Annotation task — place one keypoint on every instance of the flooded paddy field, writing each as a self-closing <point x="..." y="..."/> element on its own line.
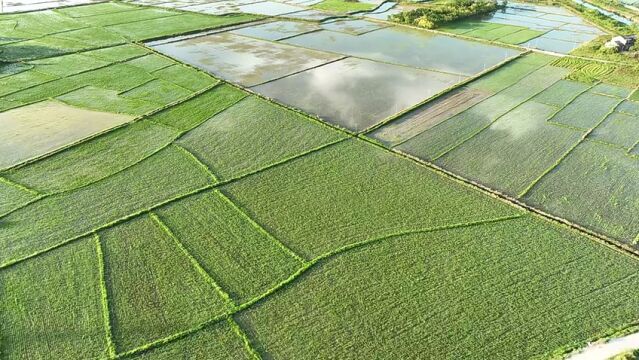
<point x="539" y="27"/>
<point x="352" y="73"/>
<point x="297" y="179"/>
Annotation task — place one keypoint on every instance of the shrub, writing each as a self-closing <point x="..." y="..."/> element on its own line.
<point x="432" y="17"/>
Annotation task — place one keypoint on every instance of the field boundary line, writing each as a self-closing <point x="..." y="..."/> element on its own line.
<point x="130" y="216"/>
<point x="462" y="142"/>
<point x="196" y="264"/>
<point x="260" y="229"/>
<point x="18" y="186"/>
<point x="533" y="70"/>
<point x="444" y="92"/>
<point x="591" y="234"/>
<point x="243" y="213"/>
<point x="107" y="131"/>
<point x="284" y="283"/>
<point x="246" y="341"/>
<point x="197" y="161"/>
<point x="179" y="134"/>
<point x="104" y="297"/>
<point x="565" y="155"/>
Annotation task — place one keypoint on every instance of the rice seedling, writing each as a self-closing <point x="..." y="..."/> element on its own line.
<point x="50" y="306"/>
<point x="604" y="198"/>
<point x="241" y="256"/>
<point x="561" y="93"/>
<point x="193" y="112"/>
<point x="217" y="341"/>
<point x="226" y="143"/>
<point x="513" y="151"/>
<point x="470" y="292"/>
<point x="56" y="219"/>
<point x="94" y="159"/>
<point x="619" y="129"/>
<point x="185" y="77"/>
<point x="337" y="197"/>
<point x="586" y="111"/>
<point x="153" y="288"/>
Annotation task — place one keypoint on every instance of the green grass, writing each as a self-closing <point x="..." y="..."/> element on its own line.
<point x="520" y="36"/>
<point x="135" y="14"/>
<point x="154" y="290"/>
<point x="611" y="90"/>
<point x="586" y="111"/>
<point x="226" y="143"/>
<point x="184" y="22"/>
<point x="447" y="135"/>
<point x="629" y="107"/>
<point x="53" y="220"/>
<point x="13" y="195"/>
<point x="218" y="341"/>
<point x="561" y="93"/>
<point x="594" y="186"/>
<point x="195" y="111"/>
<point x="515" y="289"/>
<point x="185" y="76"/>
<point x="510" y="73"/>
<point x="50" y="306"/>
<point x="158" y="91"/>
<point x="151" y="63"/>
<point x="94" y="159"/>
<point x="343" y="6"/>
<point x="108" y="101"/>
<point x="243" y="259"/>
<point x="619" y="129"/>
<point x="514" y="151"/>
<point x="351" y="192"/>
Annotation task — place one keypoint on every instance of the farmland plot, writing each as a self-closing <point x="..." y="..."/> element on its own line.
<point x="53" y="220"/>
<point x="218" y="341"/>
<point x="586" y="111"/>
<point x="226" y="143"/>
<point x="243" y="258"/>
<point x="447" y="135"/>
<point x="514" y="151"/>
<point x="50" y="307"/>
<point x="31" y="131"/>
<point x="352" y="192"/>
<point x="94" y="159"/>
<point x="605" y="198"/>
<point x="473" y="292"/>
<point x="13" y="195"/>
<point x="154" y="289"/>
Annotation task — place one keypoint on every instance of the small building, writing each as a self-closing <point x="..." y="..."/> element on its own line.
<point x="621" y="43"/>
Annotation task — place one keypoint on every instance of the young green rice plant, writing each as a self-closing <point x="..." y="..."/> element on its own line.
<point x="217" y="341"/>
<point x="514" y="151"/>
<point x="241" y="256"/>
<point x="185" y="77"/>
<point x="94" y="159"/>
<point x="195" y="111"/>
<point x="226" y="143"/>
<point x="509" y="281"/>
<point x="50" y="306"/>
<point x="54" y="220"/>
<point x="602" y="199"/>
<point x="345" y="193"/>
<point x="587" y="110"/>
<point x="619" y="129"/>
<point x="153" y="287"/>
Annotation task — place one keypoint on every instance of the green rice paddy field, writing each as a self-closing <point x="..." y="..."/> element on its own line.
<point x="202" y="220"/>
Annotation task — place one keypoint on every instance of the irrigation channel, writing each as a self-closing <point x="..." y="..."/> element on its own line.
<point x="607" y="350"/>
<point x="609" y="14"/>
